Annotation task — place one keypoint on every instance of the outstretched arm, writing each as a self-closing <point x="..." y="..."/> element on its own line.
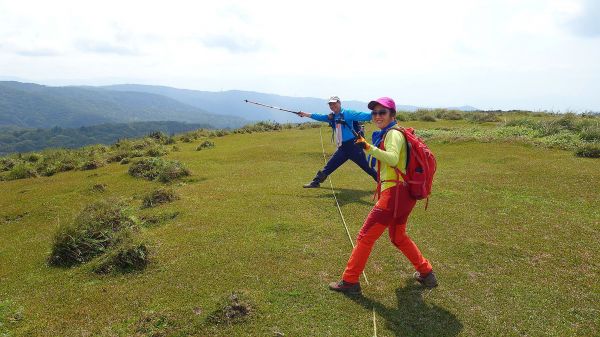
<point x="357" y="115"/>
<point x="317" y="117"/>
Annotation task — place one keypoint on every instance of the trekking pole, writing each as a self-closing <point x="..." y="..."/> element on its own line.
<point x="272" y="107"/>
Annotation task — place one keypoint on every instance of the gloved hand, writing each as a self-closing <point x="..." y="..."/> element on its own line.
<point x="362" y="142"/>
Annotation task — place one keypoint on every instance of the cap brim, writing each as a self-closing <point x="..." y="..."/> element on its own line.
<point x="332" y="101"/>
<point x="372" y="104"/>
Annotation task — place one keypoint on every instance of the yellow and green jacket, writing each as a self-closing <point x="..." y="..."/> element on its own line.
<point x="394" y="155"/>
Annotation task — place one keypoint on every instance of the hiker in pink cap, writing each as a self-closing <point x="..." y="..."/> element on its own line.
<point x="393" y="207"/>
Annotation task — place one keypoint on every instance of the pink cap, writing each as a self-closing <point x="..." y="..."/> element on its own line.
<point x="385" y="101"/>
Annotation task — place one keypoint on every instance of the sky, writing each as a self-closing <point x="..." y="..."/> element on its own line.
<point x="509" y="54"/>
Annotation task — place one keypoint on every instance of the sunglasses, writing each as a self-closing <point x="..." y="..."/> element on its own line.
<point x="381" y="112"/>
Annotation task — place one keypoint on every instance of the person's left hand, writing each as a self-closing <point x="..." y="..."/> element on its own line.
<point x="362" y="142"/>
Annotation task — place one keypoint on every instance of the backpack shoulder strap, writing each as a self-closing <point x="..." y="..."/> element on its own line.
<point x="395" y="127"/>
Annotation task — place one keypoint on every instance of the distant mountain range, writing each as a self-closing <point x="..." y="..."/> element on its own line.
<point x="232" y="102"/>
<point x="28" y="105"/>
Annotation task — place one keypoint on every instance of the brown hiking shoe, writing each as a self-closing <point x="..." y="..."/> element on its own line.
<point x="429" y="280"/>
<point x="345" y="287"/>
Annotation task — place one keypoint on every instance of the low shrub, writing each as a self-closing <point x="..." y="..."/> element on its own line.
<point x="207" y="144"/>
<point x="159" y="137"/>
<point x="449" y="114"/>
<point x="22" y="170"/>
<point x="117" y="156"/>
<point x="32" y="157"/>
<point x="92" y="164"/>
<point x="6" y="164"/>
<point x="402" y="116"/>
<point x="424" y="115"/>
<point x="156" y="151"/>
<point x="158" y="169"/>
<point x="588" y="151"/>
<point x="99" y="226"/>
<point x="172" y="170"/>
<point x="591" y="133"/>
<point x="159" y="196"/>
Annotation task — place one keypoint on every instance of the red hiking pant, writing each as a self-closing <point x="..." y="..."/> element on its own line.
<point x="380" y="218"/>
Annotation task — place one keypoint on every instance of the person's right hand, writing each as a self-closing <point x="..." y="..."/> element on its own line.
<point x="304" y="114"/>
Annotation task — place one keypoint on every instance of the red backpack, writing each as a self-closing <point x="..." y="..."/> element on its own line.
<point x="420" y="167"/>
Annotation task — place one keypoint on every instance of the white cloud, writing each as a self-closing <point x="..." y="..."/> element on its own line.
<point x="496" y="54"/>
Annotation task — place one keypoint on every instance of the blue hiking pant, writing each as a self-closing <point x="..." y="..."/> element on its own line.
<point x="348" y="150"/>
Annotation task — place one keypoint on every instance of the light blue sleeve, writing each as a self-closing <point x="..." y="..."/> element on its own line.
<point x="319" y="117"/>
<point x="351" y="115"/>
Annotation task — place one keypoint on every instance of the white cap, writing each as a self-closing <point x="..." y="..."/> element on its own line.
<point x="333" y="99"/>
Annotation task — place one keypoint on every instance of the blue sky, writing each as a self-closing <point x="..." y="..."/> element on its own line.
<point x="530" y="54"/>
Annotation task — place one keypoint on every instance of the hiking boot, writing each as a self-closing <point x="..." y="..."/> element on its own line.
<point x="345" y="287"/>
<point x="317" y="180"/>
<point x="312" y="184"/>
<point x="428" y="280"/>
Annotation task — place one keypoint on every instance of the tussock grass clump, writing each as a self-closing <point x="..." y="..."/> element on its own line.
<point x="98" y="227"/>
<point x="21" y="171"/>
<point x="158" y="169"/>
<point x="92" y="164"/>
<point x="162" y="195"/>
<point x="6" y="164"/>
<point x="99" y="188"/>
<point x="234" y="309"/>
<point x="207" y="144"/>
<point x="127" y="256"/>
<point x="588" y="151"/>
<point x="156" y="151"/>
<point x="158" y="136"/>
<point x="157" y="219"/>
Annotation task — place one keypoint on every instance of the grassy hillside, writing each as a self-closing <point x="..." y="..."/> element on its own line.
<point x="512" y="229"/>
<point x="28" y="105"/>
<point x="25" y="140"/>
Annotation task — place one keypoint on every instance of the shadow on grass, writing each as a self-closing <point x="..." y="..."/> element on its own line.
<point x="344" y="195"/>
<point x="412" y="316"/>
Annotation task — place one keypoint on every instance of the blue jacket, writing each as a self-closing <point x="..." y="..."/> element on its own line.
<point x="349" y="116"/>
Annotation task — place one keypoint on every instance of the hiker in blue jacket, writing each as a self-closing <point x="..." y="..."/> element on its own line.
<point x="341" y="120"/>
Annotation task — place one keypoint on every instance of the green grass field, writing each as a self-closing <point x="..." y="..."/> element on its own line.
<point x="513" y="232"/>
